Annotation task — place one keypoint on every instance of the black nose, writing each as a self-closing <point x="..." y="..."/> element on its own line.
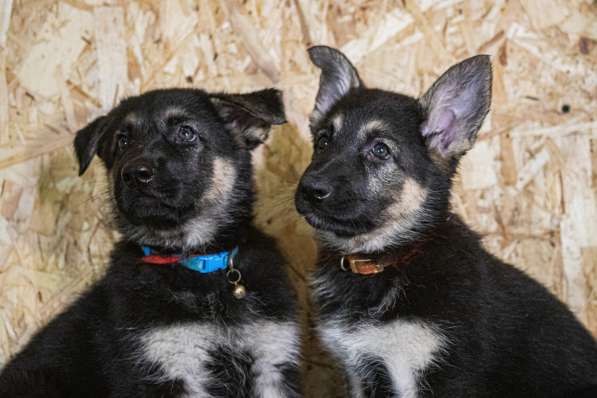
<point x="315" y="189"/>
<point x="137" y="174"/>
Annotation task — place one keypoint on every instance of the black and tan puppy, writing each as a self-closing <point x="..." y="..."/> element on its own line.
<point x="196" y="301"/>
<point x="409" y="301"/>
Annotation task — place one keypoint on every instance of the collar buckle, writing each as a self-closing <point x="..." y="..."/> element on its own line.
<point x="360" y="265"/>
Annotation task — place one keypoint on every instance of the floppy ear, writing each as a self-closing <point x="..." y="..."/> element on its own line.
<point x="250" y="116"/>
<point x="338" y="77"/>
<point x="456" y="105"/>
<point x="87" y="142"/>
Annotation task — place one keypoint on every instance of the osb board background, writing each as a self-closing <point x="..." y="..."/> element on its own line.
<point x="528" y="186"/>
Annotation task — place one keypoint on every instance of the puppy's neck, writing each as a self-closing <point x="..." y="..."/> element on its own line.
<point x="195" y="236"/>
<point x="383" y="242"/>
<point x="219" y="244"/>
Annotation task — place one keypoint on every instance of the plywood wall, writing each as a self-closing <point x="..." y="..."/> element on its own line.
<point x="528" y="186"/>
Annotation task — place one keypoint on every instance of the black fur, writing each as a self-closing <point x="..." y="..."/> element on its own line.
<point x="231" y="372"/>
<point x="95" y="347"/>
<point x="504" y="334"/>
<point x="374" y="377"/>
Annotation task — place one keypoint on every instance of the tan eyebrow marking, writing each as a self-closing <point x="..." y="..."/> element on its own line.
<point x="337" y="122"/>
<point x="132" y="118"/>
<point x="372" y="125"/>
<point x="174" y="112"/>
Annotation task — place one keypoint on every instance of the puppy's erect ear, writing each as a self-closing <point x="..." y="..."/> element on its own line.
<point x="338" y="77"/>
<point x="87" y="142"/>
<point x="456" y="105"/>
<point x="250" y="116"/>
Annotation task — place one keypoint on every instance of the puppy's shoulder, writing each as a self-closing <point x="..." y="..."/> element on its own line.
<point x="265" y="272"/>
<point x="78" y="336"/>
<point x="261" y="252"/>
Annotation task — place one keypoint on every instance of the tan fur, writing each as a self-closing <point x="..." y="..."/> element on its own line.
<point x="411" y="198"/>
<point x="174" y="111"/>
<point x="201" y="230"/>
<point x="222" y="181"/>
<point x="132" y="118"/>
<point x="338" y="121"/>
<point x="372" y="125"/>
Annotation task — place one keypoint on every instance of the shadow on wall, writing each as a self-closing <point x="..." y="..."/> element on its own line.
<point x="277" y="172"/>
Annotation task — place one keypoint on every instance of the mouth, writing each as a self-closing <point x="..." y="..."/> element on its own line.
<point x="339" y="226"/>
<point x="151" y="210"/>
<point x="150" y="201"/>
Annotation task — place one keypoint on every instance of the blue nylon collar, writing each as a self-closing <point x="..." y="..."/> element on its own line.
<point x="201" y="263"/>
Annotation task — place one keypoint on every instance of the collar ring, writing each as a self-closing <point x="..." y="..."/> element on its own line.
<point x="233" y="275"/>
<point x="343" y="264"/>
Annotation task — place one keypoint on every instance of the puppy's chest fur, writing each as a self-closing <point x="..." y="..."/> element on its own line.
<point x="381" y="358"/>
<point x="219" y="361"/>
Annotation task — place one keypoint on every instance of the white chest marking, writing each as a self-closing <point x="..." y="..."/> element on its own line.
<point x="406" y="348"/>
<point x="182" y="352"/>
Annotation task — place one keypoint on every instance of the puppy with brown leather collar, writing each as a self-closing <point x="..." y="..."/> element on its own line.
<point x="408" y="300"/>
<point x="196" y="301"/>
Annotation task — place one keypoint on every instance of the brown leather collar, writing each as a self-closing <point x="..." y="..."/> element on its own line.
<point x="364" y="264"/>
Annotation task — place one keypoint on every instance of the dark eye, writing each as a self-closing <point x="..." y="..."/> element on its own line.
<point x="322" y="143"/>
<point x="123" y="140"/>
<point x="381" y="151"/>
<point x="187" y="134"/>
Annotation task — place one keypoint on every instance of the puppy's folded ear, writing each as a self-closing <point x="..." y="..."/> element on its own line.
<point x="87" y="142"/>
<point x="338" y="77"/>
<point x="456" y="105"/>
<point x="250" y="116"/>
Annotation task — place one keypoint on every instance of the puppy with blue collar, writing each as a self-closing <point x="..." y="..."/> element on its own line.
<point x="196" y="301"/>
